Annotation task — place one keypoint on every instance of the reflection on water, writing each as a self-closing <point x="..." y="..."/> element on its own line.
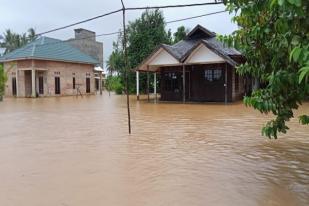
<point x="68" y="151"/>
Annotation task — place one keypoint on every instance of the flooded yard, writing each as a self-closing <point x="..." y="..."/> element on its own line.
<point x="76" y="151"/>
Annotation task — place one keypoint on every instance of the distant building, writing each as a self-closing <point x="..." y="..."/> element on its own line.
<point x="85" y="41"/>
<point x="198" y="69"/>
<point x="51" y="67"/>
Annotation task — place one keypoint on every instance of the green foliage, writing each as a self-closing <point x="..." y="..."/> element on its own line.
<point x="113" y="83"/>
<point x="3" y="79"/>
<point x="143" y="35"/>
<point x="273" y="36"/>
<point x="180" y="34"/>
<point x="14" y="41"/>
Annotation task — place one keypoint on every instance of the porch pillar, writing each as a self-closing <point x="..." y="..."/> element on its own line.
<point x="100" y="83"/>
<point x="137" y="85"/>
<point x="33" y="82"/>
<point x="155" y="85"/>
<point x="225" y="84"/>
<point x="148" y="83"/>
<point x="183" y="83"/>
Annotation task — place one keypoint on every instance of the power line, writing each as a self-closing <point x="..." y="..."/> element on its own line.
<point x="194" y="17"/>
<point x="132" y="8"/>
<point x="80" y="22"/>
<point x="121" y="31"/>
<point x="175" y="6"/>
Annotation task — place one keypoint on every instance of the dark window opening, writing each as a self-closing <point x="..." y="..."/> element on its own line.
<point x="57" y="85"/>
<point x="74" y="83"/>
<point x="14" y="87"/>
<point x="87" y="85"/>
<point x="213" y="74"/>
<point x="41" y="85"/>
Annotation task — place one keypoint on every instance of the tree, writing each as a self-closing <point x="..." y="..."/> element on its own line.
<point x="14" y="41"/>
<point x="274" y="37"/>
<point x="143" y="36"/>
<point x="3" y="79"/>
<point x="180" y="34"/>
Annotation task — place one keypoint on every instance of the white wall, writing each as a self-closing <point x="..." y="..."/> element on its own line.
<point x="203" y="55"/>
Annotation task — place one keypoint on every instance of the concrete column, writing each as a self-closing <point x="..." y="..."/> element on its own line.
<point x="155" y="85"/>
<point x="33" y="83"/>
<point x="137" y="85"/>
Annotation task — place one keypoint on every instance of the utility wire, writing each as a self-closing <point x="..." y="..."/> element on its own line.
<point x="121" y="31"/>
<point x="80" y="22"/>
<point x="175" y="6"/>
<point x="131" y="8"/>
<point x="194" y="17"/>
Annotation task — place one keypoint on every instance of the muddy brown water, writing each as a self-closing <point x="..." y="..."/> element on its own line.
<point x="76" y="152"/>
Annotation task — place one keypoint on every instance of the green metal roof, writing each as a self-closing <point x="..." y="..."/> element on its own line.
<point x="46" y="48"/>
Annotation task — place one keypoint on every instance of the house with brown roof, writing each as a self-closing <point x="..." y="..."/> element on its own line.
<point x="198" y="69"/>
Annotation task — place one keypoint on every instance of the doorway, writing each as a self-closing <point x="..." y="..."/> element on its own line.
<point x="87" y="85"/>
<point x="41" y="85"/>
<point x="57" y="85"/>
<point x="14" y="86"/>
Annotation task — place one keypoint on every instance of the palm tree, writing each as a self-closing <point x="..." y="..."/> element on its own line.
<point x="14" y="41"/>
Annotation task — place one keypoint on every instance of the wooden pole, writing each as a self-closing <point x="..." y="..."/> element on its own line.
<point x="126" y="63"/>
<point x="225" y="84"/>
<point x="155" y="85"/>
<point x="148" y="98"/>
<point x="137" y="85"/>
<point x="183" y="84"/>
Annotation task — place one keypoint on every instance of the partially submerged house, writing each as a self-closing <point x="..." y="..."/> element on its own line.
<point x="49" y="67"/>
<point x="199" y="68"/>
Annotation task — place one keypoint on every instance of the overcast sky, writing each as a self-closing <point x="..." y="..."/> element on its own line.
<point x="43" y="15"/>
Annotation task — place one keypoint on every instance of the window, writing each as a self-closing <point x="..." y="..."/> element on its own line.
<point x="73" y="82"/>
<point x="57" y="85"/>
<point x="208" y="75"/>
<point x="213" y="74"/>
<point x="87" y="85"/>
<point x="217" y="74"/>
<point x="41" y="85"/>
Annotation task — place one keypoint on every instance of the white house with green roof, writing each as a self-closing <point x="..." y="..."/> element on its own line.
<point x="48" y="67"/>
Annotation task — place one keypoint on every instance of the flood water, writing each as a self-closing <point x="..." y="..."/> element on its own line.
<point x="76" y="151"/>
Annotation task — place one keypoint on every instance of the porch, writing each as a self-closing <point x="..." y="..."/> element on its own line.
<point x="33" y="82"/>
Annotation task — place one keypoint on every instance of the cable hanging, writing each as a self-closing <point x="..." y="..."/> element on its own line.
<point x="131" y="8"/>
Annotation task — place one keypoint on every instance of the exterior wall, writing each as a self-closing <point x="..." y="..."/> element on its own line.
<point x="10" y="69"/>
<point x="49" y="70"/>
<point x="197" y="88"/>
<point x="88" y="44"/>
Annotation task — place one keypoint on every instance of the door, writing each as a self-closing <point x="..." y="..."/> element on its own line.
<point x="97" y="84"/>
<point x="57" y="85"/>
<point x="14" y="87"/>
<point x="41" y="85"/>
<point x="87" y="85"/>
